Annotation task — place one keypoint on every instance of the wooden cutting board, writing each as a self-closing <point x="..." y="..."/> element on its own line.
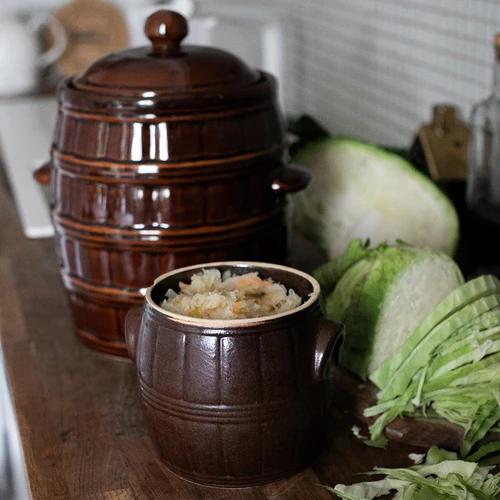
<point x="353" y="395"/>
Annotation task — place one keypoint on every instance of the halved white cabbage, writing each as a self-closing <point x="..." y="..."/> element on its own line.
<point x="383" y="297"/>
<point x="361" y="191"/>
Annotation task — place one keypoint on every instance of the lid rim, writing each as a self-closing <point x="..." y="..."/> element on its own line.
<point x="76" y="96"/>
<point x="162" y="90"/>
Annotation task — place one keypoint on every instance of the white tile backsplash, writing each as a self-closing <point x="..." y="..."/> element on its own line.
<point x="375" y="68"/>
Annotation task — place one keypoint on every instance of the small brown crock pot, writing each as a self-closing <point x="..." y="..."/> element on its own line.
<point x="163" y="156"/>
<point x="235" y="403"/>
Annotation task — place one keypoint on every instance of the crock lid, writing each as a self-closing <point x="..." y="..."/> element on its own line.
<point x="167" y="66"/>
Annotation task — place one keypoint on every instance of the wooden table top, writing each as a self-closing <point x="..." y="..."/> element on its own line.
<point x="78" y="411"/>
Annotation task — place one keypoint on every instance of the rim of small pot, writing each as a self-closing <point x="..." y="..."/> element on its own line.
<point x="232" y="323"/>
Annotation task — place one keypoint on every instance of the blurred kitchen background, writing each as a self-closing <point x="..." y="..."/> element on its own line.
<point x="364" y="68"/>
<point x="368" y="69"/>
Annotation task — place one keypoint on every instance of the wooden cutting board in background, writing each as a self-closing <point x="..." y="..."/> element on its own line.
<point x="94" y="28"/>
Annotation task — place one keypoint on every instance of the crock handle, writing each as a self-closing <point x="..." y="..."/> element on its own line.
<point x="328" y="338"/>
<point x="132" y="327"/>
<point x="291" y="179"/>
<point x="42" y="174"/>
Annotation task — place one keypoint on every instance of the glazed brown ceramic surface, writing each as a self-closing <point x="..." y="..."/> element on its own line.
<point x="163" y="156"/>
<point x="240" y="402"/>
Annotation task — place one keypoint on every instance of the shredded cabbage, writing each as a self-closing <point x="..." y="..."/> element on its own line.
<point x="443" y="476"/>
<point x="450" y="365"/>
<point x="428" y="341"/>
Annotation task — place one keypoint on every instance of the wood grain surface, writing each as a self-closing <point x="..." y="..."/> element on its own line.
<point x="78" y="411"/>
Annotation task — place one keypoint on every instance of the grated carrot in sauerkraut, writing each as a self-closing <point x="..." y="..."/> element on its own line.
<point x="213" y="295"/>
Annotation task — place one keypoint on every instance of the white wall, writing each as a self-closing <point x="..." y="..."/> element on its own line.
<point x="374" y="68"/>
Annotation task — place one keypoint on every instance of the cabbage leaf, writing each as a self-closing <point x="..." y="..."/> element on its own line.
<point x="443" y="476"/>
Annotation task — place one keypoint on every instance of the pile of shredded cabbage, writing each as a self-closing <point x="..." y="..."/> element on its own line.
<point x="450" y="366"/>
<point x="441" y="477"/>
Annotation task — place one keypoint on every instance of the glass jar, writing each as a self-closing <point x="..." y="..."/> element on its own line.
<point x="483" y="180"/>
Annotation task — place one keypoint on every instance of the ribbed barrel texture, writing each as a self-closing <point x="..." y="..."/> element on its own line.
<point x="234" y="409"/>
<point x="134" y="196"/>
<point x="170" y="138"/>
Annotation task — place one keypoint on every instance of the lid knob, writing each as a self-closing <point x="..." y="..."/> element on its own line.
<point x="166" y="29"/>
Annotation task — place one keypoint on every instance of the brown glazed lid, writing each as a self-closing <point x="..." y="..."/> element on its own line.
<point x="167" y="66"/>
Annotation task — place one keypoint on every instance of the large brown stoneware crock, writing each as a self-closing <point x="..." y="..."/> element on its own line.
<point x="235" y="403"/>
<point x="163" y="156"/>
